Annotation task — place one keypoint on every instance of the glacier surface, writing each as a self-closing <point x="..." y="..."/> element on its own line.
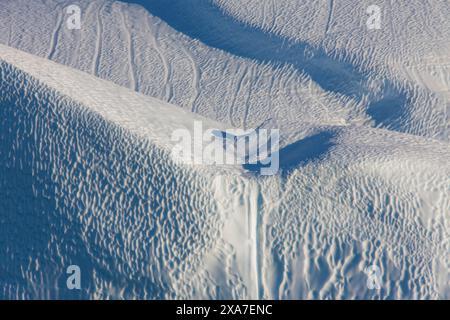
<point x="87" y="177"/>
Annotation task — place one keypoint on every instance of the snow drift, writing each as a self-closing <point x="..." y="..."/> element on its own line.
<point x="86" y="175"/>
<point x="87" y="179"/>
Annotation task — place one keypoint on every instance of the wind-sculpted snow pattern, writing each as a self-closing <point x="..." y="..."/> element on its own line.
<point x="402" y="69"/>
<point x="77" y="188"/>
<point x="360" y="205"/>
<point x="158" y="61"/>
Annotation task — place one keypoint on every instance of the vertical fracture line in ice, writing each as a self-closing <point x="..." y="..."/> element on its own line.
<point x="253" y="217"/>
<point x="98" y="44"/>
<point x="247" y="100"/>
<point x="237" y="91"/>
<point x="259" y="240"/>
<point x="54" y="37"/>
<point x="131" y="71"/>
<point x="238" y="202"/>
<point x="330" y="15"/>
<point x="195" y="78"/>
<point x="167" y="89"/>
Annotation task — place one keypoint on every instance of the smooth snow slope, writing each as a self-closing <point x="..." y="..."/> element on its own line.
<point x="86" y="182"/>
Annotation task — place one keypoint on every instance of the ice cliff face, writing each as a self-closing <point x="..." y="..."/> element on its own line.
<point x="80" y="187"/>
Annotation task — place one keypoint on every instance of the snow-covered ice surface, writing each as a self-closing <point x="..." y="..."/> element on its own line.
<point x="86" y="175"/>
